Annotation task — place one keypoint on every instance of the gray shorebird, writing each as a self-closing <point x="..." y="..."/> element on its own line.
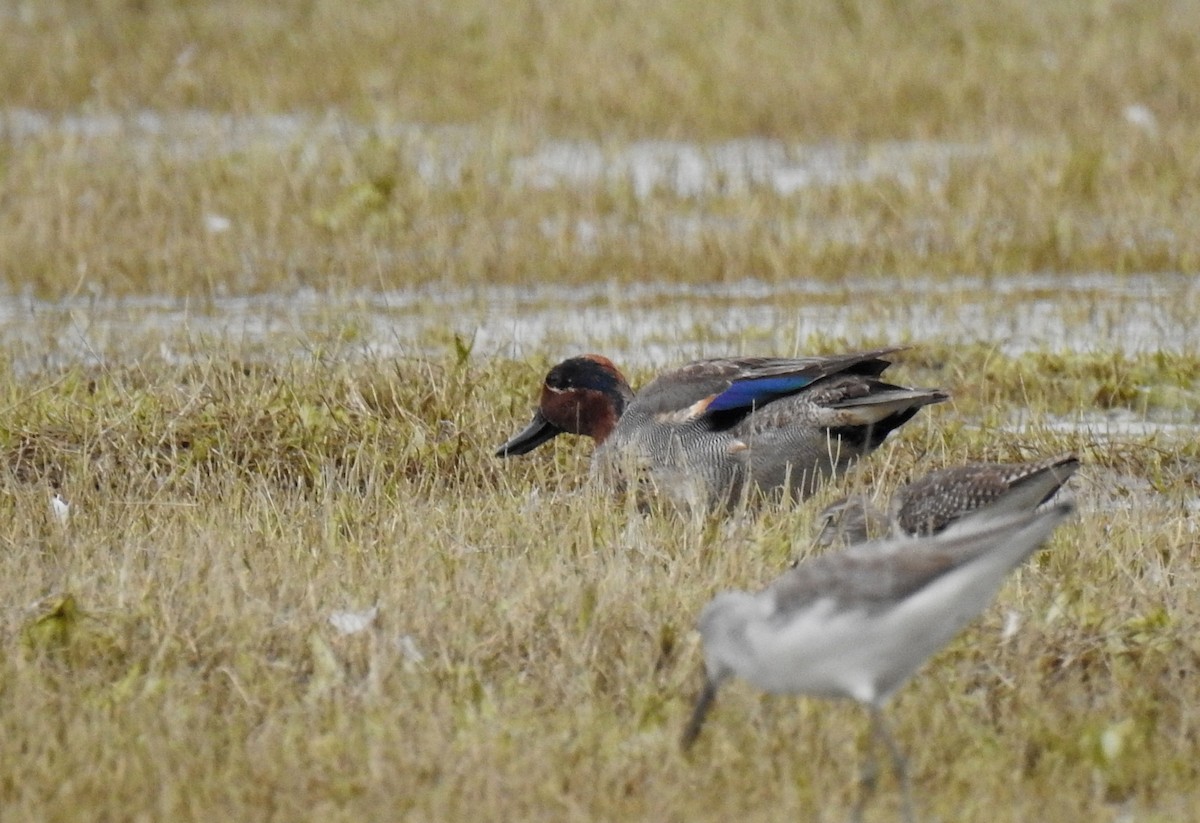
<point x="711" y="431"/>
<point x="859" y="622"/>
<point x="930" y="504"/>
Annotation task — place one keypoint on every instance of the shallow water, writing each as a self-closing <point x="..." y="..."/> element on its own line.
<point x="652" y="324"/>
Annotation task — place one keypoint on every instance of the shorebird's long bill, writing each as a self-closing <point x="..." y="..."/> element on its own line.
<point x="535" y="434"/>
<point x="703" y="702"/>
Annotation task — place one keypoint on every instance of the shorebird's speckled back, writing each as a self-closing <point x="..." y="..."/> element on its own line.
<point x="932" y="503"/>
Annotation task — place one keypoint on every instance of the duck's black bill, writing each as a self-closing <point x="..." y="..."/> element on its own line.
<point x="703" y="702"/>
<point x="534" y="435"/>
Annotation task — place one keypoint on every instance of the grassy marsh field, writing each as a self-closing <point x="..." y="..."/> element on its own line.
<point x="278" y="279"/>
<point x="532" y="653"/>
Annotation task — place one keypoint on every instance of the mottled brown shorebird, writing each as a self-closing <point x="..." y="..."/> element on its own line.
<point x="930" y="504"/>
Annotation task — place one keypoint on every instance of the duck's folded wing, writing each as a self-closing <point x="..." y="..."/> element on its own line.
<point x="739" y="385"/>
<point x="840" y="405"/>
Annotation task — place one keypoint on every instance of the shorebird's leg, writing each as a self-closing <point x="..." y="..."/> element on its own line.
<point x="868" y="778"/>
<point x="880" y="731"/>
<point x="703" y="702"/>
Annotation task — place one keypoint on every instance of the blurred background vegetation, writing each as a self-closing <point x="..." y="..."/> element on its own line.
<point x="809" y="70"/>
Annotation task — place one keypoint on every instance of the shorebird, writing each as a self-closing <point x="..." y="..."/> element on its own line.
<point x="930" y="504"/>
<point x="859" y="622"/>
<point x="710" y="431"/>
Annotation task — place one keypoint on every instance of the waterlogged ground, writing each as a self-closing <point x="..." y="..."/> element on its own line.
<point x="282" y="521"/>
<point x="653" y="323"/>
<point x="438" y="154"/>
<point x="201" y="204"/>
<point x="642" y="326"/>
